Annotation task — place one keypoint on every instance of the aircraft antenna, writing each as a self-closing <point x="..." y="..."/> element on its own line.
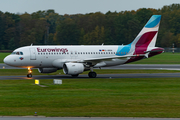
<point x="31" y="44"/>
<point x="102" y="44"/>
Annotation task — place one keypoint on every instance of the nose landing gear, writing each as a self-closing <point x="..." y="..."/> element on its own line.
<point x="29" y="75"/>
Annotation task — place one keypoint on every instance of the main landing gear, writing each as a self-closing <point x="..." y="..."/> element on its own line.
<point x="29" y="75"/>
<point x="92" y="74"/>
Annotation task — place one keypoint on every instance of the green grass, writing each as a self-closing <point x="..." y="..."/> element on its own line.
<point x="10" y="72"/>
<point x="2" y="56"/>
<point x="125" y="97"/>
<point x="164" y="58"/>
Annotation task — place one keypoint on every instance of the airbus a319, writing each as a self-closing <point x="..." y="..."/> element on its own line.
<point x="79" y="58"/>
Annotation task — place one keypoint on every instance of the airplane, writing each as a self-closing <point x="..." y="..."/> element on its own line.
<point x="76" y="59"/>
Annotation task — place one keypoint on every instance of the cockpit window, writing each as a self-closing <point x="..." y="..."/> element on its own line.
<point x="13" y="53"/>
<point x="17" y="53"/>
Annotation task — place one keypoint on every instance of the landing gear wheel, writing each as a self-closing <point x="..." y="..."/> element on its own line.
<point x="92" y="74"/>
<point x="75" y="75"/>
<point x="29" y="75"/>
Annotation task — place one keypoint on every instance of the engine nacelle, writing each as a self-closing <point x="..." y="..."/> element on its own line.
<point x="73" y="68"/>
<point x="47" y="70"/>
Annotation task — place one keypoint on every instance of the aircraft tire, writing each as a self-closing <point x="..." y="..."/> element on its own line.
<point x="92" y="74"/>
<point x="29" y="75"/>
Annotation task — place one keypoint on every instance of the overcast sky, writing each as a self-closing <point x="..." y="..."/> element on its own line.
<point x="80" y="6"/>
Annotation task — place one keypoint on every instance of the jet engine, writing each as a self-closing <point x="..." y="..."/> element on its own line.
<point x="47" y="70"/>
<point x="73" y="68"/>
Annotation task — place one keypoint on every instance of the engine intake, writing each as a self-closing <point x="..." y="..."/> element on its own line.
<point x="73" y="68"/>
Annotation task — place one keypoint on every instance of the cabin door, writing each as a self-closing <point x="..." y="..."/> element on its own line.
<point x="32" y="54"/>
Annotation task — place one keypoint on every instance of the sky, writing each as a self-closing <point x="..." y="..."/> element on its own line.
<point x="80" y="6"/>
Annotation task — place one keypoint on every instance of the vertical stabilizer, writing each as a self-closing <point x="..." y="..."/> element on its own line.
<point x="146" y="39"/>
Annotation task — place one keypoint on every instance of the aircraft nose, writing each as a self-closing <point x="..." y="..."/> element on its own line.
<point x="6" y="60"/>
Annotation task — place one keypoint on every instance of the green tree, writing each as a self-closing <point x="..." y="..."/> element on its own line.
<point x="67" y="32"/>
<point x="96" y="37"/>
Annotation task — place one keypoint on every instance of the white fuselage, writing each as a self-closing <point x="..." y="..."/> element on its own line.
<point x="56" y="56"/>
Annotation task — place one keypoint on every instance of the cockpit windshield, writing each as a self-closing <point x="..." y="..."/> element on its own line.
<point x="17" y="53"/>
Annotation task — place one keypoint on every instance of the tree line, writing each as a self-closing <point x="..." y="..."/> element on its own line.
<point x="111" y="28"/>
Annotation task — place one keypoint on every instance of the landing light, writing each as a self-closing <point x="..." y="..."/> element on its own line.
<point x="29" y="70"/>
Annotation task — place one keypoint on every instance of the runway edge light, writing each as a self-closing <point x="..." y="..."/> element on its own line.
<point x="37" y="82"/>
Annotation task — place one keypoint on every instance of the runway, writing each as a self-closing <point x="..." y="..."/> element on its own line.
<point x="146" y="66"/>
<point x="105" y="76"/>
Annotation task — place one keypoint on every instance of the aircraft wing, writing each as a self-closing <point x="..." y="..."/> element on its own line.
<point x="100" y="59"/>
<point x="109" y="58"/>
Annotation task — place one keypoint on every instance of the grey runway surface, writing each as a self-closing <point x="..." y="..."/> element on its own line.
<point x="146" y="66"/>
<point x="106" y="76"/>
<point x="125" y="66"/>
